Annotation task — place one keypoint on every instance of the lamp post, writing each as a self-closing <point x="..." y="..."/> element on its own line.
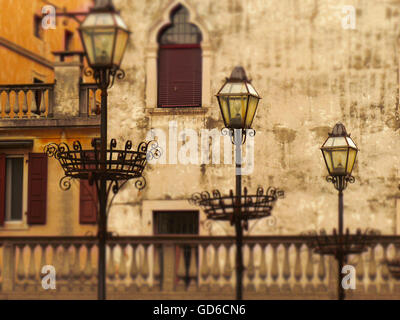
<point x="104" y="36"/>
<point x="238" y="101"/>
<point x="340" y="152"/>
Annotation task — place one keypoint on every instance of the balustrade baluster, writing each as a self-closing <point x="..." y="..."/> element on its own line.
<point x="88" y="271"/>
<point x="204" y="269"/>
<point x="33" y="107"/>
<point x="227" y="273"/>
<point x="322" y="274"/>
<point x="133" y="270"/>
<point x="286" y="268"/>
<point x="384" y="286"/>
<point x="181" y="272"/>
<point x="21" y="276"/>
<point x="156" y="269"/>
<point x="32" y="282"/>
<point x="76" y="268"/>
<point x="360" y="272"/>
<point x="65" y="273"/>
<point x="310" y="270"/>
<point x="263" y="271"/>
<point x="144" y="270"/>
<point x="193" y="269"/>
<point x="298" y="273"/>
<point x="7" y="107"/>
<point x="16" y="104"/>
<point x="274" y="269"/>
<point x="122" y="268"/>
<point x="250" y="270"/>
<point x="215" y="272"/>
<point x="25" y="111"/>
<point x="42" y="108"/>
<point x="372" y="287"/>
<point x="111" y="265"/>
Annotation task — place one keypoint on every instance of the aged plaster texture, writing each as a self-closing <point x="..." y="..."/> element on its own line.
<point x="311" y="74"/>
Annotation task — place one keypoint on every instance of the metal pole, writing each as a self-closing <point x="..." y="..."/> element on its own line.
<point x="103" y="198"/>
<point x="238" y="214"/>
<point x="341" y="294"/>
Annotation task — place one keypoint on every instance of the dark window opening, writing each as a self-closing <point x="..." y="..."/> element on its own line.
<point x="68" y="40"/>
<point x="177" y="222"/>
<point x="37" y="27"/>
<point x="14" y="189"/>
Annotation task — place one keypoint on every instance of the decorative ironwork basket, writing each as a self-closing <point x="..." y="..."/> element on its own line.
<point x="253" y="206"/>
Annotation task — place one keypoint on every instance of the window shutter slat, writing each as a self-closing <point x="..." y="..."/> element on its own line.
<point x="87" y="203"/>
<point x="2" y="188"/>
<point x="179" y="77"/>
<point x="37" y="188"/>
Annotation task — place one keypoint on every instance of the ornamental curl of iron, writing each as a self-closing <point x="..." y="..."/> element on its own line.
<point x="104" y="78"/>
<point x="253" y="206"/>
<point x="340" y="182"/>
<point x="337" y="245"/>
<point x="231" y="133"/>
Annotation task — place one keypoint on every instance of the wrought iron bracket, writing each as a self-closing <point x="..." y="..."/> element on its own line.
<point x="340" y="182"/>
<point x="231" y="133"/>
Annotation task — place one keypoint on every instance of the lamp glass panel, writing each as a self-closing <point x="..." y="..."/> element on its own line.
<point x="103" y="45"/>
<point x="87" y="36"/>
<point x="227" y="88"/>
<point x="328" y="159"/>
<point x="351" y="142"/>
<point x="252" y="90"/>
<point x="238" y="88"/>
<point x="120" y="22"/>
<point x="339" y="161"/>
<point x="120" y="45"/>
<point x="352" y="160"/>
<point x="237" y="108"/>
<point x="251" y="110"/>
<point x="223" y="100"/>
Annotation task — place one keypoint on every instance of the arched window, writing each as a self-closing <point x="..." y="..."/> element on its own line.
<point x="179" y="62"/>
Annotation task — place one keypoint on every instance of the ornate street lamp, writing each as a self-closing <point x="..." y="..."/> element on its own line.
<point x="104" y="36"/>
<point x="238" y="101"/>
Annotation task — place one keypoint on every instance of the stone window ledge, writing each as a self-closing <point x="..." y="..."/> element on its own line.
<point x="177" y="111"/>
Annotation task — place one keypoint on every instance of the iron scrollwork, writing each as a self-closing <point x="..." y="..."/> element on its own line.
<point x="340" y="182"/>
<point x="231" y="133"/>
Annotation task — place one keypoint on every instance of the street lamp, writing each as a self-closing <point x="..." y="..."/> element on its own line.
<point x="104" y="36"/>
<point x="340" y="152"/>
<point x="238" y="101"/>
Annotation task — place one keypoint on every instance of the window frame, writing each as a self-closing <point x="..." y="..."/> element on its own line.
<point x="19" y="224"/>
<point x="37" y="27"/>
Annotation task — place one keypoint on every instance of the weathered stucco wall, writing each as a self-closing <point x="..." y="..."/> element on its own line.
<point x="311" y="73"/>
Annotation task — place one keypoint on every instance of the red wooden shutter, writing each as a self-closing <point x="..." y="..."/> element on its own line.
<point x="179" y="77"/>
<point x="37" y="188"/>
<point x="2" y="188"/>
<point x="88" y="203"/>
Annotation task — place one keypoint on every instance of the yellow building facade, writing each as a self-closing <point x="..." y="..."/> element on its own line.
<point x="33" y="115"/>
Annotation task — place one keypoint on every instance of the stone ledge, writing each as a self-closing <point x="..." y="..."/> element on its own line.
<point x="50" y="123"/>
<point x="177" y="111"/>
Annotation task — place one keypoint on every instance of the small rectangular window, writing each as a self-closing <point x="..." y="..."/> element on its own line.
<point x="14" y="187"/>
<point x="37" y="27"/>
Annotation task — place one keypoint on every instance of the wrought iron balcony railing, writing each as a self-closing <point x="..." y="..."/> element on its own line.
<point x="159" y="267"/>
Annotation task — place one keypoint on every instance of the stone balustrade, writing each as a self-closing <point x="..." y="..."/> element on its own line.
<point x="189" y="267"/>
<point x="36" y="101"/>
<point x="26" y="101"/>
